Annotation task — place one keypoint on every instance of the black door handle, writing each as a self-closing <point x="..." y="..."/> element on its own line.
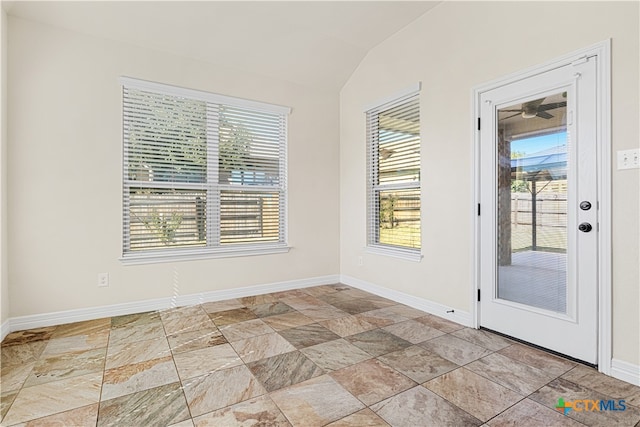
<point x="585" y="227"/>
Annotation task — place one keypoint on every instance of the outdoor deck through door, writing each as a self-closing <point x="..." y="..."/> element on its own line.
<point x="538" y="258"/>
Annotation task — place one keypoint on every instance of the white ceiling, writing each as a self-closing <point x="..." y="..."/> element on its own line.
<point x="316" y="43"/>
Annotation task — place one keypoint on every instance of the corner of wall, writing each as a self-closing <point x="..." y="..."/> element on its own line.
<point x="4" y="285"/>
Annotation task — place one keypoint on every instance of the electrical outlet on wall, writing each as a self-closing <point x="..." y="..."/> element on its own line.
<point x="629" y="159"/>
<point x="103" y="280"/>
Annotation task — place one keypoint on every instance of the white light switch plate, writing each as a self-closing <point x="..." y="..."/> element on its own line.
<point x="629" y="159"/>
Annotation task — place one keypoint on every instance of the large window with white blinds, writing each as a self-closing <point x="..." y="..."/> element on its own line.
<point x="393" y="169"/>
<point x="204" y="174"/>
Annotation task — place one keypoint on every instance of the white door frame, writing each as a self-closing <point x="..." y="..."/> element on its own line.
<point x="603" y="52"/>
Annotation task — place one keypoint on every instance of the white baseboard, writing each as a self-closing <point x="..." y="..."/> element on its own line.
<point x="5" y="329"/>
<point x="78" y="315"/>
<point x="625" y="371"/>
<point x="437" y="309"/>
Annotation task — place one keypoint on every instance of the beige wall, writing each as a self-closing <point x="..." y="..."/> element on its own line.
<point x="65" y="167"/>
<point x="451" y="49"/>
<point x="4" y="282"/>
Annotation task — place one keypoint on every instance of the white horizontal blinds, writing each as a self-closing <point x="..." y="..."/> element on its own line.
<point x="251" y="176"/>
<point x="165" y="171"/>
<point x="393" y="135"/>
<point x="199" y="173"/>
<point x="166" y="137"/>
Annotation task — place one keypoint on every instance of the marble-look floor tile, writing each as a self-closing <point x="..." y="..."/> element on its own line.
<point x="13" y="376"/>
<point x="53" y="397"/>
<point x="184" y="311"/>
<point x="29" y="336"/>
<point x="84" y="416"/>
<point x="381" y="302"/>
<point x="377" y="319"/>
<point x="613" y="387"/>
<point x="412" y="331"/>
<point x="421" y="407"/>
<point x="79" y="336"/>
<point x="439" y="323"/>
<point x="308" y="335"/>
<point x="406" y="311"/>
<point x="372" y="381"/>
<point x="355" y="293"/>
<point x="570" y="391"/>
<point x="69" y="343"/>
<point x="185" y="423"/>
<point x="137" y="333"/>
<point x="521" y="378"/>
<point x="256" y="300"/>
<point x="134" y="352"/>
<point x="224" y="305"/>
<point x="88" y="327"/>
<point x="199" y="362"/>
<point x="289" y="294"/>
<point x="455" y="349"/>
<point x="196" y="340"/>
<point x="21" y="353"/>
<point x="317" y="291"/>
<point x="284" y="370"/>
<point x="305" y="303"/>
<point x="163" y="405"/>
<point x="66" y="365"/>
<point x="348" y="325"/>
<point x="476" y="395"/>
<point x="542" y="360"/>
<point x="271" y="309"/>
<point x="378" y="342"/>
<point x="228" y="317"/>
<point x="418" y="363"/>
<point x="355" y="306"/>
<point x="336" y="297"/>
<point x="363" y="418"/>
<point x="138" y="377"/>
<point x="324" y="313"/>
<point x="286" y="321"/>
<point x="485" y="339"/>
<point x="386" y="313"/>
<point x="219" y="389"/>
<point x="315" y="402"/>
<point x="336" y="354"/>
<point x="176" y="324"/>
<point x="137" y="319"/>
<point x="246" y="329"/>
<point x="262" y="346"/>
<point x="6" y="399"/>
<point x="257" y="412"/>
<point x="528" y="413"/>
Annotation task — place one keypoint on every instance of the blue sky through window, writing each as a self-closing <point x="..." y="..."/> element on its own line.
<point x="535" y="144"/>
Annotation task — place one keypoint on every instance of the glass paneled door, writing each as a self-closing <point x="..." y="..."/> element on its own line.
<point x="538" y="274"/>
<point x="532" y="143"/>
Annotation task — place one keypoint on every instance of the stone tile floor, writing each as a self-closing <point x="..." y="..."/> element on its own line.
<point x="323" y="356"/>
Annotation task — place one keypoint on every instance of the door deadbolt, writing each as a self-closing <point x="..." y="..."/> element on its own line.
<point x="585" y="227"/>
<point x="585" y="206"/>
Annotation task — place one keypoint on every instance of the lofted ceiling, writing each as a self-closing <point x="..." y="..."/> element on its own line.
<point x="315" y="43"/>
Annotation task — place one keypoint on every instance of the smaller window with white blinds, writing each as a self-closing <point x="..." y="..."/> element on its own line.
<point x="204" y="174"/>
<point x="393" y="167"/>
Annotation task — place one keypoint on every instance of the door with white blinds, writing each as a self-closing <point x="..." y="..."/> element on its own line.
<point x="539" y="243"/>
<point x="203" y="173"/>
<point x="393" y="160"/>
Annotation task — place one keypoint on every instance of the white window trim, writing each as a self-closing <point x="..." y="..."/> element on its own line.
<point x="414" y="255"/>
<point x="192" y="254"/>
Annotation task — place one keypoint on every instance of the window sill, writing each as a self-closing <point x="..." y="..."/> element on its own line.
<point x="404" y="254"/>
<point x="177" y="255"/>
